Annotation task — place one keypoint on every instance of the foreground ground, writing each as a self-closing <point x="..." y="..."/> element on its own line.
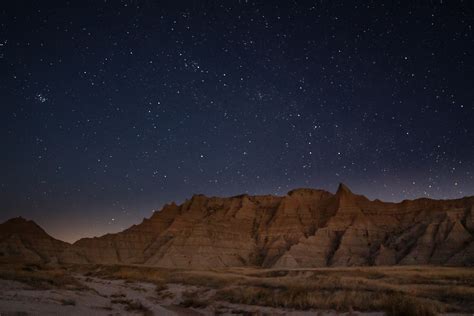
<point x="114" y="290"/>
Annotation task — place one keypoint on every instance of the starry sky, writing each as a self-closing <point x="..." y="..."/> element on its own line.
<point x="110" y="109"/>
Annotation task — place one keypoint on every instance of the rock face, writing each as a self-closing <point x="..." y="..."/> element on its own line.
<point x="24" y="241"/>
<point x="305" y="228"/>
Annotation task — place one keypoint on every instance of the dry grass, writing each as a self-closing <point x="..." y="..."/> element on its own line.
<point x="122" y="272"/>
<point x="421" y="290"/>
<point x="68" y="302"/>
<point x="158" y="276"/>
<point x="340" y="300"/>
<point x="395" y="290"/>
<point x="399" y="305"/>
<point x="162" y="291"/>
<point x="192" y="299"/>
<point x="40" y="277"/>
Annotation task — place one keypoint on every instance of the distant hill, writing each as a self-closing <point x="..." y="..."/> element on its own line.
<point x="22" y="240"/>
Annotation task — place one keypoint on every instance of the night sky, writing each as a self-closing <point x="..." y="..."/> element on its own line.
<point x="110" y="109"/>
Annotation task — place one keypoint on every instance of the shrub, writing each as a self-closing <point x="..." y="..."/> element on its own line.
<point x="68" y="301"/>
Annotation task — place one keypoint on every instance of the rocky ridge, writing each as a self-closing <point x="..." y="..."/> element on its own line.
<point x="305" y="228"/>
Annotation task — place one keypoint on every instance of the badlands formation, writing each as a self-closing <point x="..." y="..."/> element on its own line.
<point x="305" y="228"/>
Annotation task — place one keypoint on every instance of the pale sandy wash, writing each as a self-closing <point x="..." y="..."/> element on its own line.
<point x="19" y="299"/>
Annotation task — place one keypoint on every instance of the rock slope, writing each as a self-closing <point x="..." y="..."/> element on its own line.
<point x="24" y="241"/>
<point x="305" y="228"/>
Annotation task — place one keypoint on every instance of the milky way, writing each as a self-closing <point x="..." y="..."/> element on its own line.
<point x="111" y="109"/>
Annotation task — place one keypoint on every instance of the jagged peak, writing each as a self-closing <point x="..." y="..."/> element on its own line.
<point x="346" y="200"/>
<point x="18" y="219"/>
<point x="343" y="189"/>
<point x="171" y="205"/>
<point x="195" y="197"/>
<point x="21" y="225"/>
<point x="240" y="196"/>
<point x="23" y="222"/>
<point x="198" y="195"/>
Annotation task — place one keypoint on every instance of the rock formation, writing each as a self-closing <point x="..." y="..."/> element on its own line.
<point x="305" y="228"/>
<point x="24" y="241"/>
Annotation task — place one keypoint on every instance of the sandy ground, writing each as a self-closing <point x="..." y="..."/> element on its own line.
<point x="16" y="298"/>
<point x="113" y="297"/>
